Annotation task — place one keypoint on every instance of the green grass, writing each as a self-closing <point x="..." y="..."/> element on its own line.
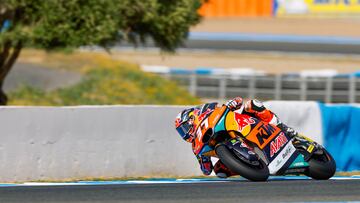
<point x="106" y="82"/>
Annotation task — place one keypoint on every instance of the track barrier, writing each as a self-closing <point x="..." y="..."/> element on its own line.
<point x="64" y="143"/>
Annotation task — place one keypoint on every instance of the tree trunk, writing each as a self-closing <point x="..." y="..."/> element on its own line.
<point x="3" y="97"/>
<point x="8" y="56"/>
<point x="9" y="49"/>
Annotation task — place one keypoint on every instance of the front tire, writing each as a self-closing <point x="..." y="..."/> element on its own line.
<point x="258" y="173"/>
<point x="321" y="167"/>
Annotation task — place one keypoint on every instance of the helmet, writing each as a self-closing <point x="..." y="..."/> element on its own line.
<point x="186" y="123"/>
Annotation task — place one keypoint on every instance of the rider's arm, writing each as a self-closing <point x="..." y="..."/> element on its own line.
<point x="234" y="104"/>
<point x="258" y="109"/>
<point x="254" y="107"/>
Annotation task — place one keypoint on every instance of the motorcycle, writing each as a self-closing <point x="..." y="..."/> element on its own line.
<point x="255" y="149"/>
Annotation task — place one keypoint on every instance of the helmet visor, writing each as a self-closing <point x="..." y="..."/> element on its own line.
<point x="184" y="130"/>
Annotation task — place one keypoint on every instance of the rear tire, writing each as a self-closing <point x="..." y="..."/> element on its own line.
<point x="321" y="167"/>
<point x="258" y="173"/>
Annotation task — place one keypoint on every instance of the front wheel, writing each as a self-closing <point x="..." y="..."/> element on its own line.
<point x="321" y="167"/>
<point x="254" y="173"/>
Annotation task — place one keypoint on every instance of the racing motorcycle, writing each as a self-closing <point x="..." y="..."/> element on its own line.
<point x="255" y="149"/>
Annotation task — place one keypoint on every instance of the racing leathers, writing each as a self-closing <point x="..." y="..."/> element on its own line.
<point x="253" y="108"/>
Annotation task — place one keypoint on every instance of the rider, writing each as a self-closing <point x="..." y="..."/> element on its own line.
<point x="186" y="123"/>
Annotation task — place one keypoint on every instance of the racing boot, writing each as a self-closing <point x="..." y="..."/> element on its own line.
<point x="307" y="144"/>
<point x="298" y="142"/>
<point x="287" y="130"/>
<point x="301" y="142"/>
<point x="222" y="171"/>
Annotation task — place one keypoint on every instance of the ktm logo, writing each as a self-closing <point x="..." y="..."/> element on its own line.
<point x="275" y="145"/>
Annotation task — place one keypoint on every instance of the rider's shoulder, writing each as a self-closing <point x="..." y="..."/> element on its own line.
<point x="211" y="105"/>
<point x="205" y="109"/>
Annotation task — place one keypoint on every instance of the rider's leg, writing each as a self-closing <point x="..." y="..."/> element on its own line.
<point x="222" y="171"/>
<point x="287" y="130"/>
<point x="257" y="108"/>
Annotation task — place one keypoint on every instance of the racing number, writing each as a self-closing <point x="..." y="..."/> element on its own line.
<point x="203" y="126"/>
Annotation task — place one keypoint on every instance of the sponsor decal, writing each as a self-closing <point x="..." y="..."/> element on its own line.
<point x="278" y="162"/>
<point x="262" y="134"/>
<point x="286" y="153"/>
<point x="282" y="158"/>
<point x="299" y="164"/>
<point x="310" y="148"/>
<point x="276" y="144"/>
<point x="309" y="7"/>
<point x="244" y="123"/>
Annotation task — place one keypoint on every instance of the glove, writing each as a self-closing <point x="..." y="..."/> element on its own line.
<point x="235" y="103"/>
<point x="205" y="165"/>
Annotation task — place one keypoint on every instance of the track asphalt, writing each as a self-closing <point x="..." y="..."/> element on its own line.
<point x="296" y="189"/>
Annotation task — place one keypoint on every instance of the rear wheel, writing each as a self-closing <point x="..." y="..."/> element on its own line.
<point x="321" y="167"/>
<point x="259" y="172"/>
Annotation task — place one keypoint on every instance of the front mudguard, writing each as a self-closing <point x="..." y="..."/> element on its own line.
<point x="242" y="151"/>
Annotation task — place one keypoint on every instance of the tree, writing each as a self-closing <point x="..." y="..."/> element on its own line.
<point x="68" y="24"/>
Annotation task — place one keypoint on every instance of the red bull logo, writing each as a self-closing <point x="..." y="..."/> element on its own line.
<point x="243" y="121"/>
<point x="276" y="145"/>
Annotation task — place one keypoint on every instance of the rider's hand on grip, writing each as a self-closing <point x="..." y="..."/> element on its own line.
<point x="235" y="103"/>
